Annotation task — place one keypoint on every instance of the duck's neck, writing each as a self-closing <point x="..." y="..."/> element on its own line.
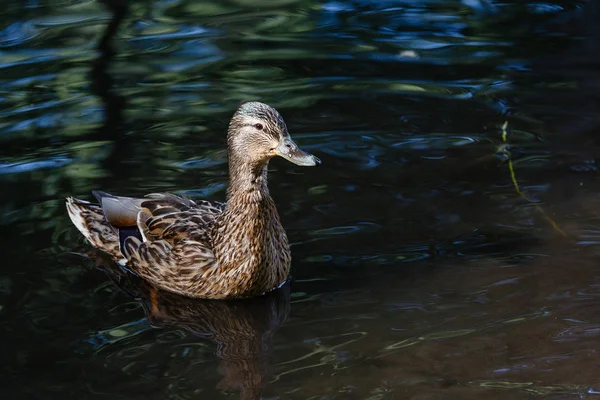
<point x="248" y="237"/>
<point x="247" y="183"/>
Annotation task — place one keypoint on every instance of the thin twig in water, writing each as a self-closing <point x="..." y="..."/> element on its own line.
<point x="516" y="184"/>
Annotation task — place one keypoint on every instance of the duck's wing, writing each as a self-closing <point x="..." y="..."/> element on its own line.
<point x="174" y="251"/>
<point x="163" y="238"/>
<point x="159" y="216"/>
<point x="172" y="218"/>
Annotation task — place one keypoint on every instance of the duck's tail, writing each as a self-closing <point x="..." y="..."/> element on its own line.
<point x="92" y="223"/>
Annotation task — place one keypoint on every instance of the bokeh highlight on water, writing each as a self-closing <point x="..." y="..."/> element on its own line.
<point x="420" y="270"/>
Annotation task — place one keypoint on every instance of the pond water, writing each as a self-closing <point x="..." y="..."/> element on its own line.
<point x="447" y="248"/>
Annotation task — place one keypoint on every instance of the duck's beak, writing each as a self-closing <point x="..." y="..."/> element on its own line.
<point x="291" y="152"/>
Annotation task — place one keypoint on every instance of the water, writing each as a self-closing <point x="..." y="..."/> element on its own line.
<point x="420" y="271"/>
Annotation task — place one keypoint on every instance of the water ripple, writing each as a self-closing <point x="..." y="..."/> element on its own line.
<point x="28" y="166"/>
<point x="17" y="33"/>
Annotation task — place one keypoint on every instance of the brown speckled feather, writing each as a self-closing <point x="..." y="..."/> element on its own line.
<point x="175" y="252"/>
<point x="187" y="267"/>
<point x="90" y="221"/>
<point x="171" y="218"/>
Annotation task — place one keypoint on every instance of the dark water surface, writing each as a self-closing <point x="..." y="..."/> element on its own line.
<point x="420" y="271"/>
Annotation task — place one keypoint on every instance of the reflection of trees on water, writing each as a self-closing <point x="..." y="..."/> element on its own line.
<point x="183" y="66"/>
<point x="102" y="85"/>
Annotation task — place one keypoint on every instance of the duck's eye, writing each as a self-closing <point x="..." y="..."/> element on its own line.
<point x="259" y="126"/>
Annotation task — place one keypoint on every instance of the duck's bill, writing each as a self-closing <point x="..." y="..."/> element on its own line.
<point x="291" y="152"/>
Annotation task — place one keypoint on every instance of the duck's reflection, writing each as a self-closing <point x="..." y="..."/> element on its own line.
<point x="242" y="329"/>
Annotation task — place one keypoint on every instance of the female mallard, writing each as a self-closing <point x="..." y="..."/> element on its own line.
<point x="207" y="250"/>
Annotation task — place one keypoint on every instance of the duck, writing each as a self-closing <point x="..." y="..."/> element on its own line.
<point x="202" y="249"/>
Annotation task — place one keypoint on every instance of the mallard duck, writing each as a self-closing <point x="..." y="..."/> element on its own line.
<point x="236" y="249"/>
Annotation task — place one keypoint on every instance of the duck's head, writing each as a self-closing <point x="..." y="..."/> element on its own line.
<point x="258" y="133"/>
